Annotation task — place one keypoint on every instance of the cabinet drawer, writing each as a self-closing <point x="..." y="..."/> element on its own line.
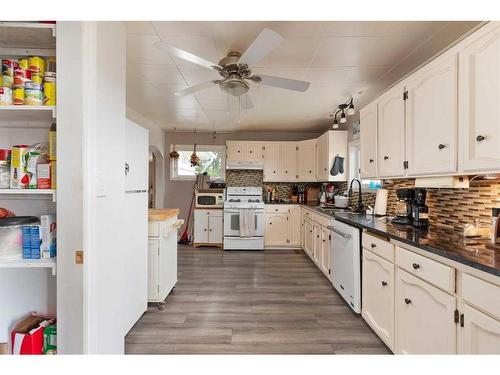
<point x="481" y="294"/>
<point x="379" y="246"/>
<point x="307" y="213"/>
<point x="277" y="208"/>
<point x="323" y="220"/>
<point x="427" y="269"/>
<point x="211" y="213"/>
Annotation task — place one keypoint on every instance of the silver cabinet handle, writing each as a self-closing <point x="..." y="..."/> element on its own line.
<point x="345" y="235"/>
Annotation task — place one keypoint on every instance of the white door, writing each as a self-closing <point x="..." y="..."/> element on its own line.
<point x="153" y="259"/>
<point x="308" y="238"/>
<point x="272" y="162"/>
<point x="480" y="333"/>
<point x="317" y="243"/>
<point x="294" y="225"/>
<point x="368" y="140"/>
<point x="424" y="317"/>
<point x="215" y="229"/>
<point x="391" y="133"/>
<point x="432" y="118"/>
<point x="253" y="151"/>
<point x="307" y="160"/>
<point x="276" y="230"/>
<point x="378" y="296"/>
<point x="234" y="151"/>
<point x="136" y="157"/>
<point x="323" y="156"/>
<point x="479" y="100"/>
<point x="289" y="162"/>
<point x="201" y="226"/>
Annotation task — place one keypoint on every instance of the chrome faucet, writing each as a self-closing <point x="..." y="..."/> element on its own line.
<point x="359" y="207"/>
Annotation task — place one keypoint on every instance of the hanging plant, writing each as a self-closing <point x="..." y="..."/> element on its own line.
<point x="194" y="160"/>
<point x="174" y="154"/>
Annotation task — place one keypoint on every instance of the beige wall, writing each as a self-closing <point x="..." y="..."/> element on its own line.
<point x="178" y="193"/>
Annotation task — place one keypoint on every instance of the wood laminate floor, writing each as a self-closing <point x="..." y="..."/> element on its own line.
<point x="244" y="302"/>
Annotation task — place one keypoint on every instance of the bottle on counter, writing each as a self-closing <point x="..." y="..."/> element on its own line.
<point x="495" y="225"/>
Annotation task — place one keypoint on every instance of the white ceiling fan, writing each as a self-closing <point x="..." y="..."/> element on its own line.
<point x="235" y="67"/>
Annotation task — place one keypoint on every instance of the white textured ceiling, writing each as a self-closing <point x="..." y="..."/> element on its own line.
<point x="338" y="58"/>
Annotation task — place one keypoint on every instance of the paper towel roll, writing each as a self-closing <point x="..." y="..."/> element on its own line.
<point x="381" y="202"/>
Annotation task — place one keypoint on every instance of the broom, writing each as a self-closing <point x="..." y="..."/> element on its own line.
<point x="185" y="235"/>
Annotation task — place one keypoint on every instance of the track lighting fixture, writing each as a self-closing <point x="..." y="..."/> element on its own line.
<point x="350" y="110"/>
<point x="349" y="105"/>
<point x="343" y="120"/>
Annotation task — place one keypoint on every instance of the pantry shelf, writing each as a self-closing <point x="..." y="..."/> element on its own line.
<point x="42" y="193"/>
<point x="30" y="263"/>
<point x="27" y="113"/>
<point x="20" y="36"/>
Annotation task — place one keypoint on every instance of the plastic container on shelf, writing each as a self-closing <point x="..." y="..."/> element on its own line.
<point x="4" y="169"/>
<point x="11" y="237"/>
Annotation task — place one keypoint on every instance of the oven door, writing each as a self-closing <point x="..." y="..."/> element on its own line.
<point x="232" y="223"/>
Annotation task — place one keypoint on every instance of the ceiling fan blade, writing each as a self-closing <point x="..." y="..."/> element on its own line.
<point x="265" y="42"/>
<point x="196" y="88"/>
<point x="177" y="52"/>
<point x="284" y="83"/>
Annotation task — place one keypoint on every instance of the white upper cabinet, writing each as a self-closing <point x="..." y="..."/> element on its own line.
<point x="330" y="145"/>
<point x="368" y="139"/>
<point x="244" y="151"/>
<point x="479" y="99"/>
<point x="272" y="153"/>
<point x="432" y="117"/>
<point x="307" y="160"/>
<point x="391" y="133"/>
<point x="289" y="152"/>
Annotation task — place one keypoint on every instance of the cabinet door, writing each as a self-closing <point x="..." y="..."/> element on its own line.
<point x="253" y="151"/>
<point x="276" y="231"/>
<point x="324" y="263"/>
<point x="309" y="238"/>
<point x="368" y="140"/>
<point x="378" y="296"/>
<point x="480" y="333"/>
<point x="432" y="118"/>
<point x="317" y="243"/>
<point x="136" y="167"/>
<point x="322" y="159"/>
<point x="424" y="317"/>
<point x="272" y="162"/>
<point x="307" y="160"/>
<point x="153" y="259"/>
<point x="289" y="162"/>
<point x="479" y="100"/>
<point x="235" y="150"/>
<point x="294" y="228"/>
<point x="215" y="229"/>
<point x="201" y="226"/>
<point x="391" y="133"/>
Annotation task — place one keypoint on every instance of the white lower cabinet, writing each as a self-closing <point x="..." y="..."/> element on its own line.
<point x="294" y="225"/>
<point x="308" y="237"/>
<point x="276" y="232"/>
<point x="378" y="296"/>
<point x="208" y="227"/>
<point x="317" y="242"/>
<point x="424" y="317"/>
<point x="479" y="333"/>
<point x="324" y="258"/>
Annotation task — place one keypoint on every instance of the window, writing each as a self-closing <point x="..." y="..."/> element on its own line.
<point x="212" y="161"/>
<point x="354" y="168"/>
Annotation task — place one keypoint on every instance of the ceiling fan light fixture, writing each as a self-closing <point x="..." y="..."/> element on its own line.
<point x="234" y="86"/>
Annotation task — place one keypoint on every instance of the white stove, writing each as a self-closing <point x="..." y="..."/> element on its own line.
<point x="237" y="200"/>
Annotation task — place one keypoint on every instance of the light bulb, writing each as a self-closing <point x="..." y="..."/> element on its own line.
<point x="343" y="120"/>
<point x="335" y="124"/>
<point x="350" y="110"/>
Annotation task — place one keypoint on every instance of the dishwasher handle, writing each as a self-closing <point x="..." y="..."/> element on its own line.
<point x="345" y="235"/>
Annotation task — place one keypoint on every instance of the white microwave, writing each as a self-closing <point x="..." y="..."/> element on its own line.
<point x="209" y="198"/>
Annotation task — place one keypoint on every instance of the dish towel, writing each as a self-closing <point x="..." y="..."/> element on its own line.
<point x="247" y="222"/>
<point x="338" y="166"/>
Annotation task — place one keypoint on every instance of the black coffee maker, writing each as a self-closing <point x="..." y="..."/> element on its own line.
<point x="407" y="196"/>
<point x="420" y="211"/>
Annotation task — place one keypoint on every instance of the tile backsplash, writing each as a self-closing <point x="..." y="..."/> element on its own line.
<point x="451" y="208"/>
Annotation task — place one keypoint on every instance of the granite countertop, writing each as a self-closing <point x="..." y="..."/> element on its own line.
<point x="473" y="252"/>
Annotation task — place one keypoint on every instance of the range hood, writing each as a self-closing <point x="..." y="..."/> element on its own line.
<point x="448" y="182"/>
<point x="244" y="164"/>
